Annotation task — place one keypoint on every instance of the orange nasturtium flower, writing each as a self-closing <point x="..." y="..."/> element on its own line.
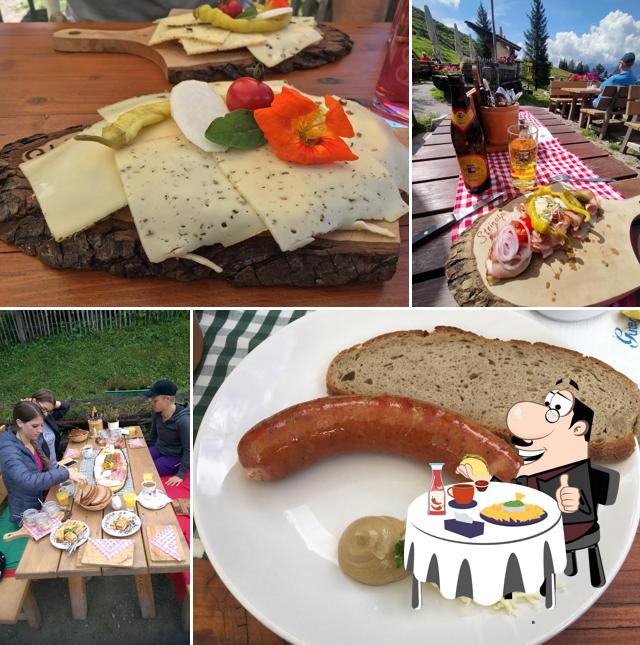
<point x="301" y="131"/>
<point x="276" y="4"/>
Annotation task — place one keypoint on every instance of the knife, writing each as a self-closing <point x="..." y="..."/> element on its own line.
<point x="430" y="231"/>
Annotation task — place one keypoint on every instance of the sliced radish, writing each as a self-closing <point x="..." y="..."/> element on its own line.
<point x="194" y="104"/>
<point x="274" y="13"/>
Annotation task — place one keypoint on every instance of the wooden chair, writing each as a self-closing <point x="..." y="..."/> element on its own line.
<point x="560" y="98"/>
<point x="633" y="111"/>
<point x="612" y="103"/>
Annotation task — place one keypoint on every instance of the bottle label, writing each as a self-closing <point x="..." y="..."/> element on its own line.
<point x="474" y="170"/>
<point x="462" y="119"/>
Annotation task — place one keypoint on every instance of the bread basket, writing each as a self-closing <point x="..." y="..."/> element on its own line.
<point x="100" y="506"/>
<point x="78" y="435"/>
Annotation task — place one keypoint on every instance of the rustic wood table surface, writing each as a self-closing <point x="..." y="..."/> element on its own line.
<point x="42" y="560"/>
<point x="219" y="619"/>
<point x="46" y="91"/>
<point x="435" y="179"/>
<point x="579" y="93"/>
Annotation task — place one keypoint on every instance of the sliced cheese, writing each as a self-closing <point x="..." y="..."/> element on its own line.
<point x="202" y="33"/>
<point x="284" y="44"/>
<point x="222" y="87"/>
<point x="114" y="110"/>
<point x="194" y="46"/>
<point x="360" y="225"/>
<point x="180" y="201"/>
<point x="309" y="21"/>
<point x="77" y="184"/>
<point x="298" y="202"/>
<point x="179" y="20"/>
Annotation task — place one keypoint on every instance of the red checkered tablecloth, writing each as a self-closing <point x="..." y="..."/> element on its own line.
<point x="553" y="158"/>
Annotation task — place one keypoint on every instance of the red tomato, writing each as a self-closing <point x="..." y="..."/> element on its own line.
<point x="232" y="8"/>
<point x="520" y="229"/>
<point x="249" y="94"/>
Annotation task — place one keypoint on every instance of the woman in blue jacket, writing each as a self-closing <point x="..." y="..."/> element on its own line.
<point x="26" y="470"/>
<point x="53" y="411"/>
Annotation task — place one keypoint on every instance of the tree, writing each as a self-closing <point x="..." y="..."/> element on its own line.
<point x="562" y="64"/>
<point x="580" y="68"/>
<point x="600" y="69"/>
<point x="571" y="66"/>
<point x="536" y="38"/>
<point x="482" y="19"/>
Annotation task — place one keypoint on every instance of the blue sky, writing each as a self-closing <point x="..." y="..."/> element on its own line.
<point x="588" y="30"/>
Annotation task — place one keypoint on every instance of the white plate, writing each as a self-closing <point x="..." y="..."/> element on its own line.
<point x="274" y="544"/>
<point x="114" y="515"/>
<point x="153" y="502"/>
<point x="63" y="546"/>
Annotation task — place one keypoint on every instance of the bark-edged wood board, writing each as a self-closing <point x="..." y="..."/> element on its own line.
<point x="178" y="66"/>
<point x="598" y="271"/>
<point x="112" y="245"/>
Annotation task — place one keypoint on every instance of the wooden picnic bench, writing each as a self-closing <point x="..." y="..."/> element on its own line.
<point x="559" y="96"/>
<point x="612" y="103"/>
<point x="41" y="560"/>
<point x="633" y="112"/>
<point x="435" y="179"/>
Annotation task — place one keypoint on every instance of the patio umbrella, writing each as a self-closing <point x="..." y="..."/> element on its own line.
<point x="456" y="41"/>
<point x="472" y="49"/>
<point x="493" y="29"/>
<point x="431" y="30"/>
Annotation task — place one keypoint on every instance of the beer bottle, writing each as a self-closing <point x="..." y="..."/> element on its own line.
<point x="468" y="139"/>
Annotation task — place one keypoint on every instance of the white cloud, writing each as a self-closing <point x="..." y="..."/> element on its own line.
<point x="616" y="34"/>
<point x="450" y="3"/>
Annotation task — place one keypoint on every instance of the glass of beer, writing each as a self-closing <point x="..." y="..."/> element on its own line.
<point x="523" y="148"/>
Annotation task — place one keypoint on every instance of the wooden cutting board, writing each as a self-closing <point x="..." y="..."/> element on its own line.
<point x="599" y="271"/>
<point x="112" y="245"/>
<point x="156" y="554"/>
<point x="23" y="533"/>
<point x="93" y="557"/>
<point x="178" y="66"/>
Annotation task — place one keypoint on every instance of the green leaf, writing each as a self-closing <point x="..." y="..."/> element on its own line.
<point x="237" y="129"/>
<point x="249" y="12"/>
<point x="398" y="553"/>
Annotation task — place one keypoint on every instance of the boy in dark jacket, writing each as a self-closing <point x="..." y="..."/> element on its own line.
<point x="170" y="440"/>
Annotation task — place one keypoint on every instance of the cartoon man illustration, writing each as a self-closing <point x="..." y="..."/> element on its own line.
<point x="553" y="441"/>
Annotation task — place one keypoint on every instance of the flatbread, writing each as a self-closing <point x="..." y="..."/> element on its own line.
<point x="201" y="33"/>
<point x="179" y="20"/>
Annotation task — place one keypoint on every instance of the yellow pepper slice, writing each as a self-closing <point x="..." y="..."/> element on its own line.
<point x="573" y="204"/>
<point x="127" y="126"/>
<point x="220" y="19"/>
<point x="538" y="222"/>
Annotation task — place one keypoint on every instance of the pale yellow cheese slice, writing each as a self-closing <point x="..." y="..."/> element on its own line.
<point x="203" y="33"/>
<point x="77" y="184"/>
<point x="179" y="200"/>
<point x="194" y="46"/>
<point x="221" y="87"/>
<point x="298" y="202"/>
<point x="308" y="21"/>
<point x="285" y="43"/>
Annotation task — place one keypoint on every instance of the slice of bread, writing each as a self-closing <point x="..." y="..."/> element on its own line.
<point x="482" y="378"/>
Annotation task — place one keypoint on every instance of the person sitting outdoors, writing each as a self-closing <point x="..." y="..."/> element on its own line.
<point x="26" y="470"/>
<point x="623" y="77"/>
<point x="53" y="411"/>
<point x="170" y="438"/>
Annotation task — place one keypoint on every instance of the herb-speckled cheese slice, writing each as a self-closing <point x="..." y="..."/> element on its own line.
<point x="298" y="202"/>
<point x="180" y="201"/>
<point x="77" y="184"/>
<point x="284" y="44"/>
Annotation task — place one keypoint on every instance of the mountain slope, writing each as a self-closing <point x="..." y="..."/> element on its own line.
<point x="421" y="44"/>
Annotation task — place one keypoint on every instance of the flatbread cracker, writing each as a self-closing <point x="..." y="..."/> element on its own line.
<point x="285" y="43"/>
<point x="179" y="20"/>
<point x="201" y="33"/>
<point x="233" y="41"/>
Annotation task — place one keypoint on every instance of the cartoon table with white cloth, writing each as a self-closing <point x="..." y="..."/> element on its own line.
<point x="524" y="555"/>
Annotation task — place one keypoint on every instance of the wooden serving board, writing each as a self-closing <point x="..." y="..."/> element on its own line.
<point x="113" y="245"/>
<point x="178" y="66"/>
<point x="597" y="271"/>
<point x="97" y="469"/>
<point x="23" y="533"/>
<point x="92" y="557"/>
<point x="158" y="555"/>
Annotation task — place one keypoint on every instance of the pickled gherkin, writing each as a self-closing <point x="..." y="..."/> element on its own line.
<point x="127" y="126"/>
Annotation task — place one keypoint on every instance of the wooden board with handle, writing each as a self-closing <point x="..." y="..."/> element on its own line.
<point x="93" y="557"/>
<point x="23" y="533"/>
<point x="597" y="271"/>
<point x="178" y="66"/>
<point x="156" y="554"/>
<point x="112" y="245"/>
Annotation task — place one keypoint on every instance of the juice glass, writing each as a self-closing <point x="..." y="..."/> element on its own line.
<point x="147" y="477"/>
<point x="523" y="150"/>
<point x="63" y="498"/>
<point x="129" y="501"/>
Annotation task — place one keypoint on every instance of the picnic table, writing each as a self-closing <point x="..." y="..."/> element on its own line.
<point x="42" y="560"/>
<point x="435" y="179"/>
<point x="580" y="93"/>
<point x="47" y="91"/>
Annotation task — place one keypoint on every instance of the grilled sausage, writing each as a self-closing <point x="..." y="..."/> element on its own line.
<point x="305" y="433"/>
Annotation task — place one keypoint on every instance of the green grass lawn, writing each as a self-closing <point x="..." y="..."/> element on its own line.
<point x="83" y="367"/>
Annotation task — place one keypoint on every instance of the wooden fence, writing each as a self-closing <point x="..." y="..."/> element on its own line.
<point x="20" y="326"/>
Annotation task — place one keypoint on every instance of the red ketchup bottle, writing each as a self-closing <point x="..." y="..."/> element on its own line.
<point x="437" y="493"/>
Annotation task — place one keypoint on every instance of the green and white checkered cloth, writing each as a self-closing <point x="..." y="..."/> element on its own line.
<point x="228" y="337"/>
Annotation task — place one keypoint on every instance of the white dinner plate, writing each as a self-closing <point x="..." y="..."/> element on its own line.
<point x="113" y="516"/>
<point x="64" y="546"/>
<point x="274" y="544"/>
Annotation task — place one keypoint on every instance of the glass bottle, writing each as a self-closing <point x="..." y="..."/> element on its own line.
<point x="437" y="493"/>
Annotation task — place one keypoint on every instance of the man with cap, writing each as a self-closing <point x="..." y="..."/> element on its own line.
<point x="170" y="438"/>
<point x="624" y="77"/>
